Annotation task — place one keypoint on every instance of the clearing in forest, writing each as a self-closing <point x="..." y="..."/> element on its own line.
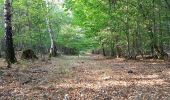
<point x="90" y="77"/>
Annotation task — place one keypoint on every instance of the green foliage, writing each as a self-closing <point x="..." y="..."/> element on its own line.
<point x="91" y="24"/>
<point x="131" y="24"/>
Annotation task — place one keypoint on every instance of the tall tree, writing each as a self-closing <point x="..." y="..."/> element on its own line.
<point x="10" y="54"/>
<point x="53" y="50"/>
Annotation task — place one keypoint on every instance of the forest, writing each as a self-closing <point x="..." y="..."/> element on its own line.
<point x="84" y="50"/>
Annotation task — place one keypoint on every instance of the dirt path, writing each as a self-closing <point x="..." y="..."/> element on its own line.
<point x="89" y="77"/>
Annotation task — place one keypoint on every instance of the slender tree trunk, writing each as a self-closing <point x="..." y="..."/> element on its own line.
<point x="139" y="48"/>
<point x="138" y="39"/>
<point x="133" y="54"/>
<point x="112" y="43"/>
<point x="10" y="54"/>
<point x="118" y="48"/>
<point x="53" y="50"/>
<point x="127" y="30"/>
<point x="103" y="50"/>
<point x="112" y="50"/>
<point x="111" y="6"/>
<point x="153" y="38"/>
<point x="160" y="33"/>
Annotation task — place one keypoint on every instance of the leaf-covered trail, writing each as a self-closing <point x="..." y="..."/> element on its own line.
<point x="89" y="77"/>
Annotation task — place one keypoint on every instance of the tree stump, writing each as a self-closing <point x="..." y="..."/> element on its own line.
<point x="28" y="54"/>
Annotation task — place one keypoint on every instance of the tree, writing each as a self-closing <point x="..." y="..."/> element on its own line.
<point x="10" y="54"/>
<point x="53" y="49"/>
<point x="136" y="27"/>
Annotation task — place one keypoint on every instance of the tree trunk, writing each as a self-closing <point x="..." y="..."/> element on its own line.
<point x="111" y="5"/>
<point x="139" y="40"/>
<point x="112" y="50"/>
<point x="134" y="50"/>
<point x="103" y="50"/>
<point x="153" y="32"/>
<point x="127" y="30"/>
<point x="53" y="49"/>
<point x="118" y="47"/>
<point x="10" y="54"/>
<point x="139" y="48"/>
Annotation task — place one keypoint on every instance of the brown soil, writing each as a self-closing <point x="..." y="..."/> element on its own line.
<point x="91" y="77"/>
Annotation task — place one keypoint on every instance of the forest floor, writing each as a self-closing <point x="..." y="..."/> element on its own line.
<point x="90" y="77"/>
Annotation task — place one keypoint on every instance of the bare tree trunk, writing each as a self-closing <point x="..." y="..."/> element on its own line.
<point x="103" y="50"/>
<point x="111" y="6"/>
<point x="10" y="54"/>
<point x="127" y="30"/>
<point x="134" y="50"/>
<point x="112" y="50"/>
<point x="153" y="32"/>
<point x="118" y="47"/>
<point x="53" y="50"/>
<point x="139" y="48"/>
